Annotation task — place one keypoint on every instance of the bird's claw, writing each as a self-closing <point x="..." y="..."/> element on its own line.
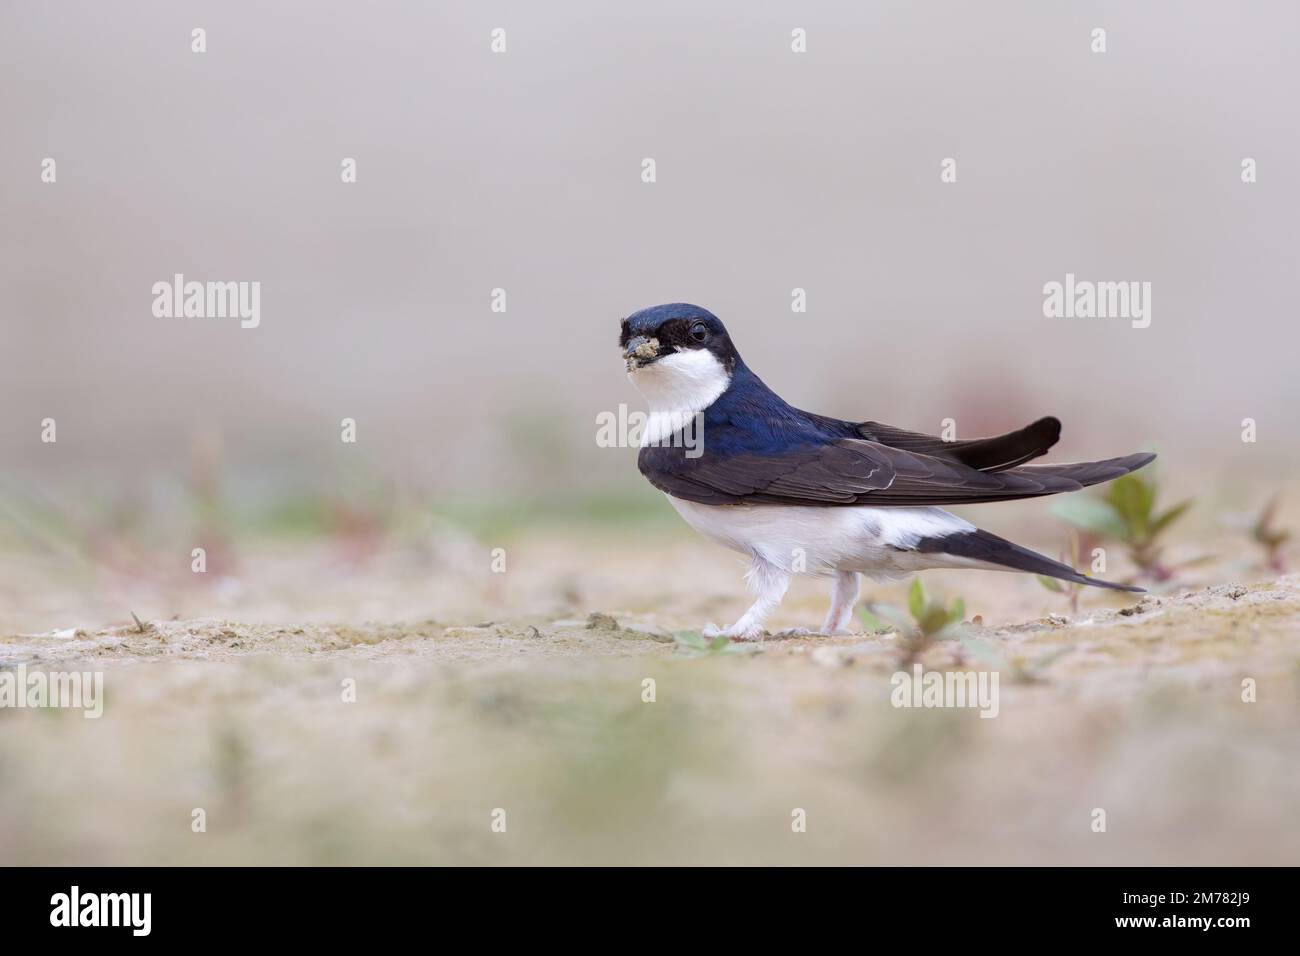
<point x="712" y="631"/>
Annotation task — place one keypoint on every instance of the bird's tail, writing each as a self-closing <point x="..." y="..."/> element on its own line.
<point x="992" y="551"/>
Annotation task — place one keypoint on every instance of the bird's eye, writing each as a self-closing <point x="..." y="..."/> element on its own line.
<point x="699" y="332"/>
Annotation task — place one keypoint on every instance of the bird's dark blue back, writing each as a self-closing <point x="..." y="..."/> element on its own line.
<point x="750" y="418"/>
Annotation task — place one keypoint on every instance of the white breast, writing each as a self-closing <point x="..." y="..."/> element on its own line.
<point x="676" y="388"/>
<point x="812" y="540"/>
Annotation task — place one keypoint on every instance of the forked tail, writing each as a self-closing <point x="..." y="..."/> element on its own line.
<point x="995" y="552"/>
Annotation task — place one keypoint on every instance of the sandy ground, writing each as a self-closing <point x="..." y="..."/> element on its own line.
<point x="477" y="692"/>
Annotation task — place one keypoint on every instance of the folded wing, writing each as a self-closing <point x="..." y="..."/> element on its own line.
<point x="983" y="454"/>
<point x="897" y="469"/>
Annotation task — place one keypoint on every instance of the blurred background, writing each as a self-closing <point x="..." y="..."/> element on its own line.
<point x="521" y="171"/>
<point x="476" y="429"/>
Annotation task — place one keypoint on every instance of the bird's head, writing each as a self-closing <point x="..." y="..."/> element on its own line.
<point x="678" y="355"/>
<point x="677" y="337"/>
<point x="674" y="336"/>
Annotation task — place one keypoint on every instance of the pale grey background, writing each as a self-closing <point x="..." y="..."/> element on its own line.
<point x="776" y="170"/>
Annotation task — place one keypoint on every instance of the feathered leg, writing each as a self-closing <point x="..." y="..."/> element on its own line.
<point x="769" y="583"/>
<point x="844" y="594"/>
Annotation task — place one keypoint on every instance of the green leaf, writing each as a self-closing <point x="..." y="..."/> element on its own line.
<point x="1051" y="584"/>
<point x="1091" y="514"/>
<point x="737" y="648"/>
<point x="1133" y="499"/>
<point x="1169" y="517"/>
<point x="690" y="639"/>
<point x="957" y="614"/>
<point x="916" y="600"/>
<point x="870" y="621"/>
<point x="934" y="620"/>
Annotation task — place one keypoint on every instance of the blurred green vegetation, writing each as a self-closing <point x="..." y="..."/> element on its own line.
<point x="34" y="518"/>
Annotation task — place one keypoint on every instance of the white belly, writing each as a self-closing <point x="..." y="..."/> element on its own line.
<point x="805" y="539"/>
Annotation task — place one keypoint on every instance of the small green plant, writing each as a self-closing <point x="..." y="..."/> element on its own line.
<point x="1021" y="669"/>
<point x="1070" y="589"/>
<point x="694" y="644"/>
<point x="1270" y="537"/>
<point x="931" y="620"/>
<point x="1127" y="513"/>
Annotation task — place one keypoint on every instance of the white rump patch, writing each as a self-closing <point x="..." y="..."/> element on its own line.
<point x="904" y="527"/>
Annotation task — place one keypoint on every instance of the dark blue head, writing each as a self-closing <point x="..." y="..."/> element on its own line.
<point x="660" y="330"/>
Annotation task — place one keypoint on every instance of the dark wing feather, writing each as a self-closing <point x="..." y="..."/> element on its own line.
<point x="1029" y="481"/>
<point x="855" y="471"/>
<point x="983" y="454"/>
<point x="828" y="474"/>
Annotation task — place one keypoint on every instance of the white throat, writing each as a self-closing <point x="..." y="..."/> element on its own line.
<point x="676" y="388"/>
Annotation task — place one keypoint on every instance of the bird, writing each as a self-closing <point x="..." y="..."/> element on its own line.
<point x="801" y="493"/>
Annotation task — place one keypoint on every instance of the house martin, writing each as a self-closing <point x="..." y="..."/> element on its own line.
<point x="799" y="493"/>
